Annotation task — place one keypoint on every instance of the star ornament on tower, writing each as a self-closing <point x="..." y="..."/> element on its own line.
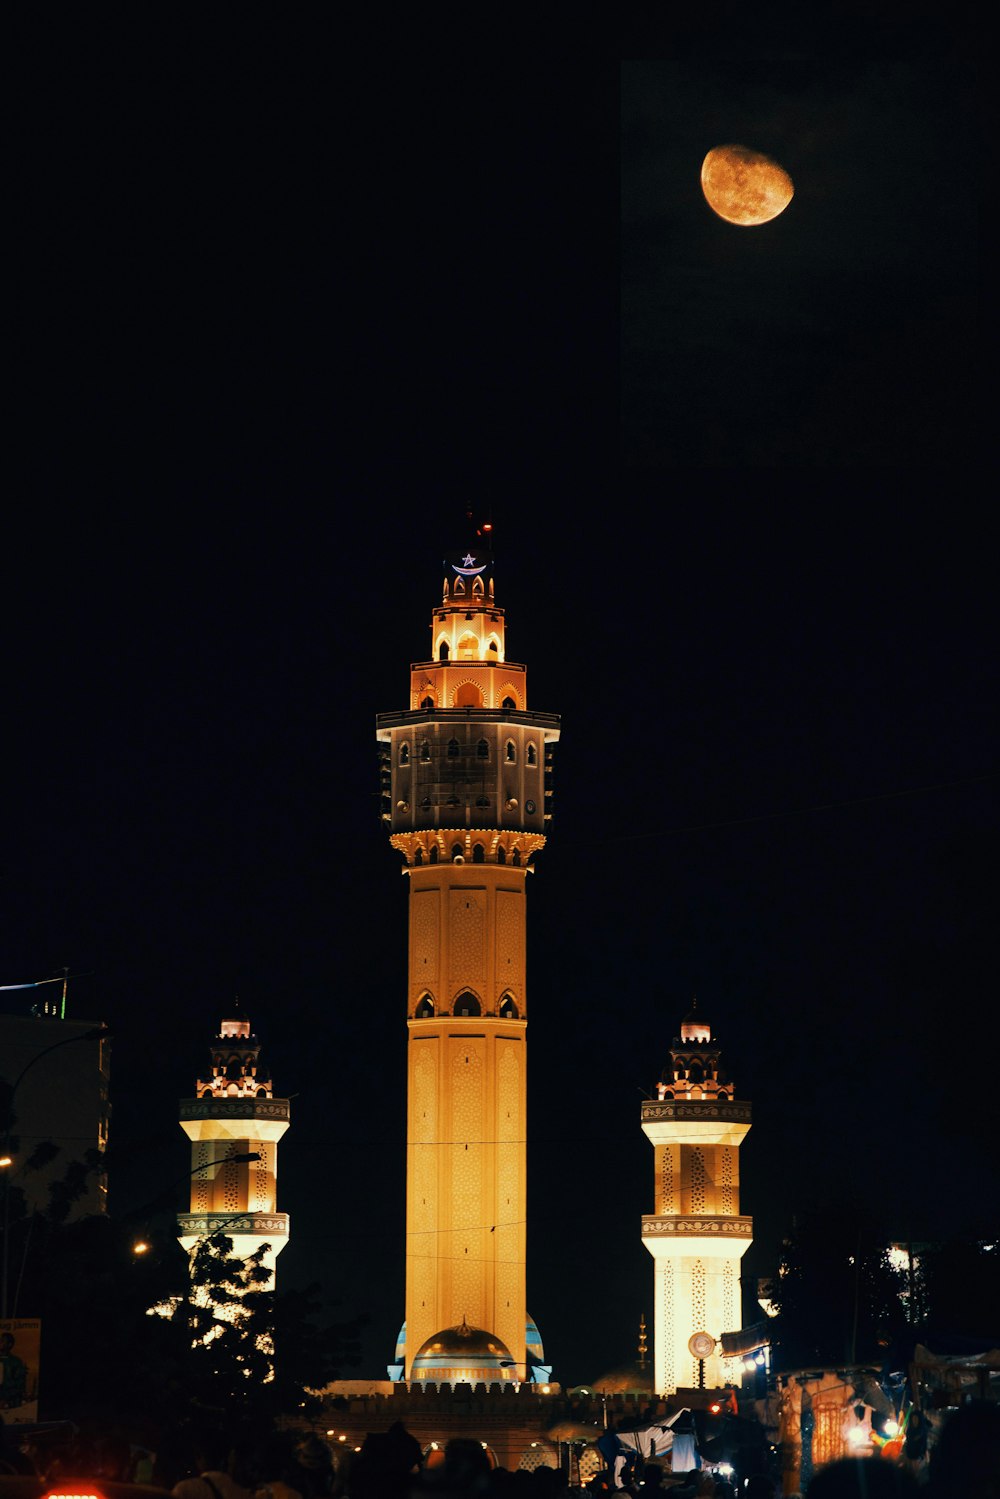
<point x="468" y="568"/>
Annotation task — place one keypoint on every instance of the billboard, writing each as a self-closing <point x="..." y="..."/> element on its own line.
<point x="20" y="1338"/>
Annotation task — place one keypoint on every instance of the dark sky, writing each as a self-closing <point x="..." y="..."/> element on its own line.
<point x="280" y="326"/>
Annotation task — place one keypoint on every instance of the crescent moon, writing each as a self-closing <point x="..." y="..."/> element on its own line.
<point x="744" y="186"/>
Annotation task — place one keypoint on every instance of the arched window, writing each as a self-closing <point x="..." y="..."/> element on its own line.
<point x="696" y="1073"/>
<point x="404" y="753"/>
<point x="453" y="749"/>
<point x="466" y="1004"/>
<point x="508" y="703"/>
<point x="443" y="651"/>
<point x="517" y="856"/>
<point x="483" y="749"/>
<point x="425" y="1008"/>
<point x="459" y="586"/>
<point x="261" y="1092"/>
<point x="418" y="856"/>
<point x="433" y="854"/>
<point x="457" y="852"/>
<point x="468" y="696"/>
<point x="501" y="854"/>
<point x="482" y="801"/>
<point x="425" y="749"/>
<point x="477" y="586"/>
<point x="508" y="1009"/>
<point x="493" y="647"/>
<point x="532" y="755"/>
<point x="478" y="854"/>
<point x="427" y="702"/>
<point x="510" y="753"/>
<point x="468" y="647"/>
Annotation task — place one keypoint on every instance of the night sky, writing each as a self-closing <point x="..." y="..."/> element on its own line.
<point x="843" y="332"/>
<point x="279" y="332"/>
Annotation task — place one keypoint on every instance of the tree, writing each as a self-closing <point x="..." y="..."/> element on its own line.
<point x="961" y="1289"/>
<point x="837" y="1295"/>
<point x="254" y="1354"/>
<point x="226" y="1347"/>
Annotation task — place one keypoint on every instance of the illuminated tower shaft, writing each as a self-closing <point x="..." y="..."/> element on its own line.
<point x="235" y="1114"/>
<point x="464" y="776"/>
<point x="697" y="1235"/>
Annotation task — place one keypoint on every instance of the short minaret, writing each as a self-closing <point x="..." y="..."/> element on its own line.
<point x="465" y="800"/>
<point x="697" y="1235"/>
<point x="234" y="1115"/>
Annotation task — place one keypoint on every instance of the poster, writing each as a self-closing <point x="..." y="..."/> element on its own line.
<point x="20" y="1338"/>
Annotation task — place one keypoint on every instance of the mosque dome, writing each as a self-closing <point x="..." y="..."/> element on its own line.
<point x="463" y="1354"/>
<point x="533" y="1341"/>
<point x="695" y="1027"/>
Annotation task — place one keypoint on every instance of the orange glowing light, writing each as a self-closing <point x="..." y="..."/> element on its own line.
<point x="743" y="186"/>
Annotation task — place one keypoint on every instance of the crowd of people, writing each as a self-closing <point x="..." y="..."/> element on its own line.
<point x="207" y="1464"/>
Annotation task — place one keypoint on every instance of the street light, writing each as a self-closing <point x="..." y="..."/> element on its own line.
<point x="96" y="1033"/>
<point x="241" y="1158"/>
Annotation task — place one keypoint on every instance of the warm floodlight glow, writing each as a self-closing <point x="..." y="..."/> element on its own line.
<point x="857" y="1436"/>
<point x="892" y="1428"/>
<point x="140" y="1247"/>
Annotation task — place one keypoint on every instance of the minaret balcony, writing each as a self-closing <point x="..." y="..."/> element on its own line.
<point x="203" y="1225"/>
<point x="227" y="1118"/>
<point x="696" y="1233"/>
<point x="549" y="722"/>
<point x="696" y="1121"/>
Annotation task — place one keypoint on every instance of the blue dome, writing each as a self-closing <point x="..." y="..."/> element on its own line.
<point x="463" y="1354"/>
<point x="533" y="1342"/>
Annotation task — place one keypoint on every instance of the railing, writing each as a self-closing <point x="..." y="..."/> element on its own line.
<point x="205" y="1224"/>
<point x="463" y="715"/>
<point x="235" y="1108"/>
<point x="517" y="667"/>
<point x="701" y="1224"/>
<point x="706" y="1108"/>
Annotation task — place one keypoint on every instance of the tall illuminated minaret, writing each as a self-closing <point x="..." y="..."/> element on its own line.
<point x="235" y="1114"/>
<point x="465" y="797"/>
<point x="697" y="1235"/>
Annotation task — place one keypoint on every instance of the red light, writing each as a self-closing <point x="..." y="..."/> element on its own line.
<point x="715" y="1408"/>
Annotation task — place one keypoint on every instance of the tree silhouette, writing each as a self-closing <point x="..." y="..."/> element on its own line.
<point x="837" y="1295"/>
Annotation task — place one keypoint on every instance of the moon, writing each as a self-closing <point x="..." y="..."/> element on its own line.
<point x="743" y="186"/>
